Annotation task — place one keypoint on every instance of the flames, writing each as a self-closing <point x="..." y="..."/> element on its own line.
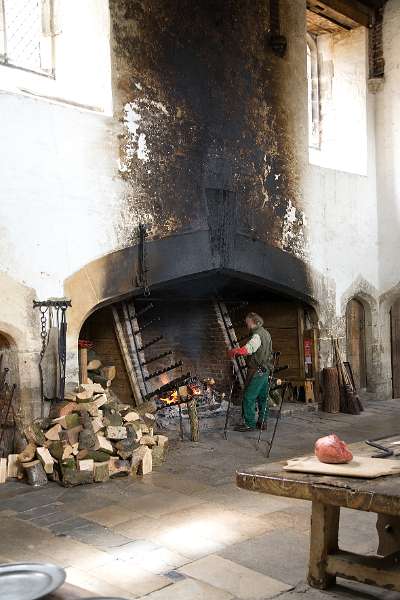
<point x="183" y="394"/>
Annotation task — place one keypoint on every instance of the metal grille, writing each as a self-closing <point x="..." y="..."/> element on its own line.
<point x="22" y="23"/>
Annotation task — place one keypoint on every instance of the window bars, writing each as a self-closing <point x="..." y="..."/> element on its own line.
<point x="26" y="35"/>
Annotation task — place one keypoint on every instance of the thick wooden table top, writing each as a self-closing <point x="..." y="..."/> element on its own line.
<point x="380" y="495"/>
<point x="69" y="592"/>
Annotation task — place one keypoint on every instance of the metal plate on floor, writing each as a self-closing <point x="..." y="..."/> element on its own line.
<point x="29" y="581"/>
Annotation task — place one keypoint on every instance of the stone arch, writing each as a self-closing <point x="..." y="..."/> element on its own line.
<point x="387" y="301"/>
<point x="365" y="294"/>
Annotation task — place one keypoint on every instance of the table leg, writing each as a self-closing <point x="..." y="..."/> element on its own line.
<point x="323" y="541"/>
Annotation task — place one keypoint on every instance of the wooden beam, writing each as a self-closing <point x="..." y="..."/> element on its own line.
<point x="372" y="570"/>
<point x="344" y="12"/>
<point x="119" y="331"/>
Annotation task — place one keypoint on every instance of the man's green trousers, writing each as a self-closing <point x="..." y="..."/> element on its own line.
<point x="256" y="395"/>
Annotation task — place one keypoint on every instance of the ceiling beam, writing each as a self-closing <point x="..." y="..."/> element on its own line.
<point x="350" y="13"/>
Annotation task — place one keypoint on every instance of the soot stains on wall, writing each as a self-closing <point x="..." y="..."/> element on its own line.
<point x="197" y="92"/>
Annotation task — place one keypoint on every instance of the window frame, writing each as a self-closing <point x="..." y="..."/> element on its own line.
<point x="5" y="61"/>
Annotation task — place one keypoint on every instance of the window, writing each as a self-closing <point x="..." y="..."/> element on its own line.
<point x="26" y="34"/>
<point x="313" y="93"/>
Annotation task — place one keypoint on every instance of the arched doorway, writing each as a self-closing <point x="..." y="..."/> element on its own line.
<point x="356" y="347"/>
<point x="395" y="347"/>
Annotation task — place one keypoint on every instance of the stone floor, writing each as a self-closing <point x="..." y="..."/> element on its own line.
<point x="186" y="532"/>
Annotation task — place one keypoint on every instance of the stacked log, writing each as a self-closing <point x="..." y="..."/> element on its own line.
<point x="88" y="438"/>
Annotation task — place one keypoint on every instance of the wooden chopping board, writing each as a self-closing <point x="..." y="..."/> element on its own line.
<point x="361" y="466"/>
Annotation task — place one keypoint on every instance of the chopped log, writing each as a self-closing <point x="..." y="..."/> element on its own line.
<point x="86" y="464"/>
<point x="98" y="388"/>
<point x="75" y="448"/>
<point x="96" y="455"/>
<point x="159" y="454"/>
<point x="99" y="400"/>
<point x="67" y="452"/>
<point x="53" y="433"/>
<point x="137" y="429"/>
<point x="131" y="416"/>
<point x="35" y="473"/>
<point x="70" y="396"/>
<point x="148" y="440"/>
<point x="84" y="396"/>
<point x="68" y="408"/>
<point x="97" y="424"/>
<point x="150" y="420"/>
<point x="27" y="454"/>
<point x="73" y="434"/>
<point x="89" y="407"/>
<point x="144" y="428"/>
<point x="83" y="365"/>
<point x="94" y="364"/>
<point x="73" y="477"/>
<point x="87" y="438"/>
<point x="46" y="459"/>
<point x="103" y="444"/>
<point x="56" y="449"/>
<point x="68" y="421"/>
<point x="193" y="419"/>
<point x="118" y="467"/>
<point x="34" y="433"/>
<point x="111" y="416"/>
<point x="116" y="433"/>
<point x="3" y="470"/>
<point x="141" y="462"/>
<point x="13" y="466"/>
<point x="101" y="471"/>
<point x="162" y="440"/>
<point x="105" y="383"/>
<point x="146" y="407"/>
<point x="126" y="447"/>
<point x="146" y="465"/>
<point x="108" y="372"/>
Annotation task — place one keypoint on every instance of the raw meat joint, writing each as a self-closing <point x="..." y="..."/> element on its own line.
<point x="332" y="450"/>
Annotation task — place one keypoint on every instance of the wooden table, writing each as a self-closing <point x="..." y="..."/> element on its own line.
<point x="69" y="592"/>
<point x="328" y="495"/>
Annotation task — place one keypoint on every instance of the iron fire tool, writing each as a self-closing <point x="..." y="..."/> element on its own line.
<point x="386" y="452"/>
<point x="228" y="410"/>
<point x="275" y="356"/>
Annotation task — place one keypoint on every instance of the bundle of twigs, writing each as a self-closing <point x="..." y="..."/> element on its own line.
<point x="349" y="400"/>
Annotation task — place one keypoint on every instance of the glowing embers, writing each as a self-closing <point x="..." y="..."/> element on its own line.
<point x="185" y="393"/>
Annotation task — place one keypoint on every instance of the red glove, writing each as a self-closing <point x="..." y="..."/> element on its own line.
<point x="237" y="352"/>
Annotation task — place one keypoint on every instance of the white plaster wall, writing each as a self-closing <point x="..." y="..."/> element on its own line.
<point x="388" y="151"/>
<point x="343" y="102"/>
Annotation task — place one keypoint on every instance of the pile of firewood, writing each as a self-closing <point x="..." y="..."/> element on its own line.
<point x="88" y="438"/>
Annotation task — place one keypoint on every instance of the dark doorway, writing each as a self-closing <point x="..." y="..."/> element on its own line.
<point x="356" y="347"/>
<point x="395" y="347"/>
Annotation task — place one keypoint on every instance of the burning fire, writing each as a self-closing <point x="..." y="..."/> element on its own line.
<point x="182" y="394"/>
<point x="171" y="399"/>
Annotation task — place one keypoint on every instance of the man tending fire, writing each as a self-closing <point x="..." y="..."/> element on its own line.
<point x="258" y="353"/>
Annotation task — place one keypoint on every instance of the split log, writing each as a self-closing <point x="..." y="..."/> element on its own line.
<point x="70" y="396"/>
<point x="148" y="440"/>
<point x="131" y="416"/>
<point x="56" y="449"/>
<point x="67" y="452"/>
<point x="104" y="444"/>
<point x="118" y="467"/>
<point x="94" y="365"/>
<point x="99" y="400"/>
<point x="68" y="408"/>
<point x="126" y="447"/>
<point x="14" y="468"/>
<point x="86" y="465"/>
<point x="139" y="455"/>
<point x="89" y="407"/>
<point x="73" y="435"/>
<point x="46" y="459"/>
<point x="162" y="440"/>
<point x="83" y="365"/>
<point x="97" y="424"/>
<point x="84" y="396"/>
<point x="28" y="454"/>
<point x="3" y="470"/>
<point x="95" y="455"/>
<point x="35" y="473"/>
<point x="116" y="433"/>
<point x="108" y="372"/>
<point x="193" y="420"/>
<point x="101" y="471"/>
<point x="158" y="454"/>
<point x="111" y="415"/>
<point x="68" y="421"/>
<point x="137" y="429"/>
<point x="53" y="433"/>
<point x="147" y="407"/>
<point x="34" y="433"/>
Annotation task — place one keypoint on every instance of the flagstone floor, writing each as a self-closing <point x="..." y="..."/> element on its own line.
<point x="186" y="532"/>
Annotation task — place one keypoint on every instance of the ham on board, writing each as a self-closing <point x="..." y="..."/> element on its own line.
<point x="332" y="450"/>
